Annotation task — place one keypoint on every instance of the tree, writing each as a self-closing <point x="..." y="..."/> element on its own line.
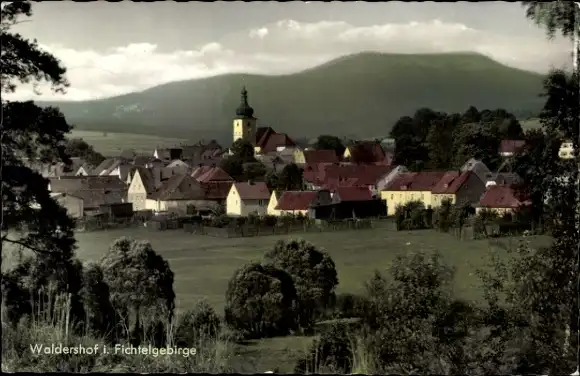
<point x="412" y="322"/>
<point x="476" y="141"/>
<point x="313" y="272"/>
<point x="141" y="284"/>
<point x="234" y="167"/>
<point x="255" y="171"/>
<point x="77" y="147"/>
<point x="539" y="287"/>
<point x="31" y="219"/>
<point x="260" y="300"/>
<point x="200" y="323"/>
<point x="290" y="178"/>
<point x="272" y="180"/>
<point x="472" y="115"/>
<point x="243" y="150"/>
<point x="97" y="305"/>
<point x="22" y="60"/>
<point x="554" y="16"/>
<point x="440" y="141"/>
<point x="328" y="142"/>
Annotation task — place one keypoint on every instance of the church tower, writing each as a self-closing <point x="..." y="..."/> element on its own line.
<point x="245" y="122"/>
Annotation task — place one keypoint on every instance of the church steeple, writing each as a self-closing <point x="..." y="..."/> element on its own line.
<point x="244" y="110"/>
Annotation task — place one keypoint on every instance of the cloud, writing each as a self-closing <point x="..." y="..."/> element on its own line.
<point x="284" y="47"/>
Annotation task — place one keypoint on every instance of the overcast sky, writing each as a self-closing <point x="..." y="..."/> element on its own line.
<point x="115" y="48"/>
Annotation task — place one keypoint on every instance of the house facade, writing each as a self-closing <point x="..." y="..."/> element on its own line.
<point x="566" y="150"/>
<point x="460" y="187"/>
<point x="410" y="186"/>
<point x="74" y="205"/>
<point x="247" y="198"/>
<point x="139" y="189"/>
<point x="500" y="199"/>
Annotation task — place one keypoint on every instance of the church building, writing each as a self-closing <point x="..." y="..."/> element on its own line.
<point x="264" y="139"/>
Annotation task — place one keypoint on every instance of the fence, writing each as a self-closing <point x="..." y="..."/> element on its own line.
<point x="251" y="231"/>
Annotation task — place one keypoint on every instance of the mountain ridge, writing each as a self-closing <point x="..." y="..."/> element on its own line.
<point x="371" y="90"/>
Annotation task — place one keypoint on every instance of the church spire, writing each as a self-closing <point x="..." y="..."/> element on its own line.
<point x="244" y="110"/>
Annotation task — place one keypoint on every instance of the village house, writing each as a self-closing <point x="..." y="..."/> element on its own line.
<point x="246" y="198"/>
<point x="410" y="186"/>
<point x="74" y="205"/>
<point x="83" y="195"/>
<point x="461" y="187"/>
<point x="314" y="156"/>
<point x="330" y="176"/>
<point x="178" y="193"/>
<point x="50" y="170"/>
<point x="367" y="152"/>
<point x="69" y="184"/>
<point x="350" y="202"/>
<point x="509" y="148"/>
<point x="566" y="150"/>
<point x="500" y="199"/>
<point x="386" y="179"/>
<point x="301" y="202"/>
<point x="273" y="202"/>
<point x="206" y="174"/>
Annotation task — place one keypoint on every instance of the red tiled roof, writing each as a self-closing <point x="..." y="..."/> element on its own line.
<point x="262" y="134"/>
<point x="353" y="193"/>
<point x="179" y="187"/>
<point x="213" y="174"/>
<point x="367" y="152"/>
<point x="451" y="182"/>
<point x="200" y="171"/>
<point x="511" y="146"/>
<point x="416" y="181"/>
<point x="296" y="200"/>
<point x="217" y="190"/>
<point x="254" y="191"/>
<point x="500" y="196"/>
<point x="320" y="156"/>
<point x="364" y="174"/>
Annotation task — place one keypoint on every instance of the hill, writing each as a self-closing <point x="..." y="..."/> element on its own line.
<point x="358" y="95"/>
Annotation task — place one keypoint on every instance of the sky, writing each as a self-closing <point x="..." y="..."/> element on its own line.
<point x="116" y="48"/>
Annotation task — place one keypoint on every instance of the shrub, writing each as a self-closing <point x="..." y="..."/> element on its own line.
<point x="348" y="305"/>
<point x="260" y="301"/>
<point x="141" y="285"/>
<point x="332" y="352"/>
<point x="313" y="272"/>
<point x="95" y="297"/>
<point x="198" y="324"/>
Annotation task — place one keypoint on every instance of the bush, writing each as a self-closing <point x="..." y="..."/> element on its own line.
<point x="348" y="305"/>
<point x="95" y="297"/>
<point x="198" y="324"/>
<point x="260" y="301"/>
<point x="141" y="286"/>
<point x="332" y="352"/>
<point x="313" y="272"/>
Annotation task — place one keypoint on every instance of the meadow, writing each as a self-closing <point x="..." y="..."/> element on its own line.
<point x="203" y="266"/>
<point x="112" y="144"/>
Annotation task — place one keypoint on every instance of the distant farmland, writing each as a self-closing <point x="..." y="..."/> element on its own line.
<point x="111" y="144"/>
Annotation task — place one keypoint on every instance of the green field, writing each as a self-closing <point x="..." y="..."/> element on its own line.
<point x="203" y="265"/>
<point x="112" y="144"/>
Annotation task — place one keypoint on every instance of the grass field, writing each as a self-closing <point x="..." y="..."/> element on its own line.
<point x="204" y="265"/>
<point x="112" y="144"/>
